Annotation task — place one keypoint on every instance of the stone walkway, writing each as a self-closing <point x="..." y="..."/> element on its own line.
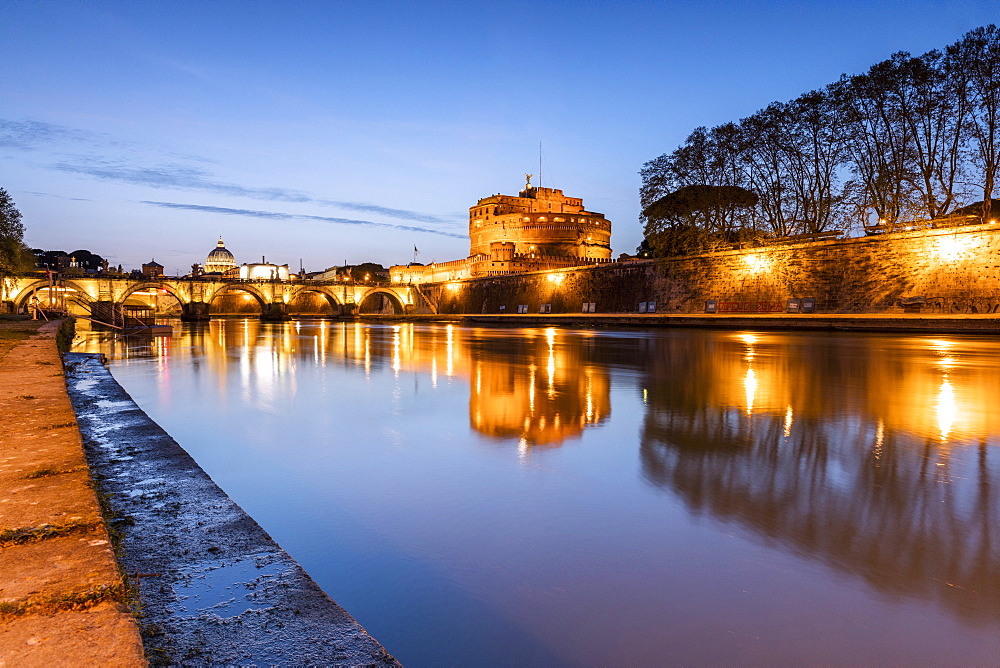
<point x="62" y="599"/>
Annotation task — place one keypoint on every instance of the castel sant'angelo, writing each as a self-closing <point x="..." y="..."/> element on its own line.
<point x="537" y="230"/>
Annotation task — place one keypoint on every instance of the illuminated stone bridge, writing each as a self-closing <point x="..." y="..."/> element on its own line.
<point x="105" y="298"/>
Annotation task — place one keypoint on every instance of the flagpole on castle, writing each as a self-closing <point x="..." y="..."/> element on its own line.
<point x="415" y="253"/>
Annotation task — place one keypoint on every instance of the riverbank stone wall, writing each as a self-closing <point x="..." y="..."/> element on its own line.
<point x="950" y="270"/>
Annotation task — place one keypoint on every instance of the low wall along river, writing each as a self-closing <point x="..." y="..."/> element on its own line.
<point x="950" y="270"/>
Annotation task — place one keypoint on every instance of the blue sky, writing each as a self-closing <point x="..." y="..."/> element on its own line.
<point x="333" y="131"/>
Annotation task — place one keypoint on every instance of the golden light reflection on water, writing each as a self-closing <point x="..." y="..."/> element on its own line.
<point x="933" y="389"/>
<point x="853" y="451"/>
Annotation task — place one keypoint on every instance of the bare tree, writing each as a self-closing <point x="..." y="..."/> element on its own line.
<point x="872" y="107"/>
<point x="820" y="152"/>
<point x="765" y="134"/>
<point x="935" y="112"/>
<point x="977" y="57"/>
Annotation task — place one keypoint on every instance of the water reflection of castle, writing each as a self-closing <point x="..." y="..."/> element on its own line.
<point x="896" y="483"/>
<point x="538" y="391"/>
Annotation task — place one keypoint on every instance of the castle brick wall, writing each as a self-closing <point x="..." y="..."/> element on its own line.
<point x="952" y="270"/>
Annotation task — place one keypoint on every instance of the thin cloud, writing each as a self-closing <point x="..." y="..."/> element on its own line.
<point x="274" y="215"/>
<point x="28" y="135"/>
<point x="32" y="135"/>
<point x="184" y="177"/>
<point x="74" y="199"/>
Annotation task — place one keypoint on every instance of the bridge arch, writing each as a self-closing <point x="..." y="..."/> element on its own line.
<point x="300" y="292"/>
<point x="145" y="285"/>
<point x="78" y="295"/>
<point x="231" y="289"/>
<point x="155" y="285"/>
<point x="382" y="301"/>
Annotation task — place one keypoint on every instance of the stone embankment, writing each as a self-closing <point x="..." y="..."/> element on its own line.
<point x="62" y="597"/>
<point x="214" y="588"/>
<point x="947" y="271"/>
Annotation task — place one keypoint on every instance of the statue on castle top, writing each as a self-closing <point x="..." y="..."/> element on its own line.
<point x="527" y="177"/>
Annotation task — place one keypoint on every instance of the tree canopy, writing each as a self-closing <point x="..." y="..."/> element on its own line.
<point x="11" y="236"/>
<point x="85" y="260"/>
<point x="912" y="138"/>
<point x="695" y="218"/>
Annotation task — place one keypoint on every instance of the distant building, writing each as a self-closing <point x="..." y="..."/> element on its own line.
<point x="539" y="229"/>
<point x="220" y="260"/>
<point x="152" y="269"/>
<point x="262" y="271"/>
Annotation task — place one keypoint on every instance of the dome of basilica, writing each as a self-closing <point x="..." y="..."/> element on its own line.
<point x="219" y="260"/>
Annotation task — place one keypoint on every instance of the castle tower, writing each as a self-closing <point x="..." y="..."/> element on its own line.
<point x="540" y="222"/>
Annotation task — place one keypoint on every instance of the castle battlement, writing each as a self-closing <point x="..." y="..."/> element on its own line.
<point x="538" y="229"/>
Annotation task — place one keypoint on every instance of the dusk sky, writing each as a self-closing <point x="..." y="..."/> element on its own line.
<point x="333" y="131"/>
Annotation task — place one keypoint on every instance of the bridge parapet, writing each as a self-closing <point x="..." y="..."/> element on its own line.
<point x="195" y="295"/>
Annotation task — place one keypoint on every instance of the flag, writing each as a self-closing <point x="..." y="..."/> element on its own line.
<point x="415" y="251"/>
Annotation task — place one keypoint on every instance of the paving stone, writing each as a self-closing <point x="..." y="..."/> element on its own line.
<point x="54" y="578"/>
<point x="103" y="635"/>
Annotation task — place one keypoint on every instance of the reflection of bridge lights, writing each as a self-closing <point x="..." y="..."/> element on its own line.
<point x="788" y="422"/>
<point x="947" y="410"/>
<point x="750" y="383"/>
<point x="368" y="354"/>
<point x="396" y="365"/>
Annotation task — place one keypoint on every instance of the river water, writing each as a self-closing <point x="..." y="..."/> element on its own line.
<point x="543" y="496"/>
